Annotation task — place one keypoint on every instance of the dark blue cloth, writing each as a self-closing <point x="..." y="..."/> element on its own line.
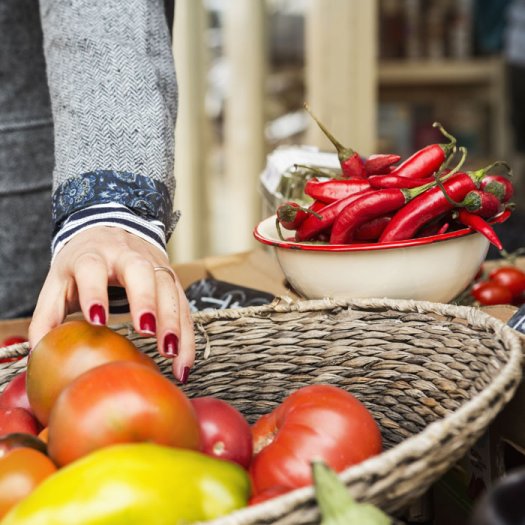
<point x="148" y="198"/>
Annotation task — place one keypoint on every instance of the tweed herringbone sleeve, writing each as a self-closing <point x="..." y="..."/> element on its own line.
<point x="114" y="101"/>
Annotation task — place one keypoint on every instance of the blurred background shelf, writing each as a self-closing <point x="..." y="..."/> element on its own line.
<point x="451" y="71"/>
<point x="468" y="96"/>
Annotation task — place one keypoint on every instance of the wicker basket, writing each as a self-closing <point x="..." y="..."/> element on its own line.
<point x="434" y="376"/>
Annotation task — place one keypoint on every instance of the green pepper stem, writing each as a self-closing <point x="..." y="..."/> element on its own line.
<point x="458" y="166"/>
<point x="448" y="198"/>
<point x="511" y="257"/>
<point x="279" y="231"/>
<point x="287" y="208"/>
<point x="317" y="171"/>
<point x="312" y="212"/>
<point x="449" y="136"/>
<point x="479" y="174"/>
<point x="439" y="182"/>
<point x="343" y="152"/>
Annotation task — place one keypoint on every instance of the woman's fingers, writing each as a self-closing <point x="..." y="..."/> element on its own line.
<point x="136" y="274"/>
<point x="80" y="274"/>
<point x="91" y="276"/>
<point x="182" y="365"/>
<point x="175" y="328"/>
<point x="168" y="312"/>
<point x="51" y="307"/>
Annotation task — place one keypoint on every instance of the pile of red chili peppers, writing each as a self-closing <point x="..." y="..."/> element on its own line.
<point x="380" y="199"/>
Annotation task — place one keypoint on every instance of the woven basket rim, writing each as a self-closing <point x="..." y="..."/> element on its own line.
<point x="509" y="374"/>
<point x="511" y="371"/>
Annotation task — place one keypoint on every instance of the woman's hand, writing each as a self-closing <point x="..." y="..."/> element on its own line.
<point x="100" y="256"/>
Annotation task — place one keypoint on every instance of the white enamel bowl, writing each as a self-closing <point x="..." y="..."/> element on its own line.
<point x="435" y="268"/>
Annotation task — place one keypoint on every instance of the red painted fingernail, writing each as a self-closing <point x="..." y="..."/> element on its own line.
<point x="184" y="375"/>
<point x="171" y="345"/>
<point x="97" y="314"/>
<point x="147" y="323"/>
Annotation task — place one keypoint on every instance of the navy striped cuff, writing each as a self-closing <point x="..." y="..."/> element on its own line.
<point x="144" y="196"/>
<point x="109" y="214"/>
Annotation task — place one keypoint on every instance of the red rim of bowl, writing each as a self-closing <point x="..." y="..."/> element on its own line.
<point x="502" y="217"/>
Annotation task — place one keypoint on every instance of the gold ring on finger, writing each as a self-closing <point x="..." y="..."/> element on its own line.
<point x="167" y="270"/>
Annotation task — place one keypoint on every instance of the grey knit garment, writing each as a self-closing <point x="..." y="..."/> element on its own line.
<point x="112" y="85"/>
<point x="113" y="97"/>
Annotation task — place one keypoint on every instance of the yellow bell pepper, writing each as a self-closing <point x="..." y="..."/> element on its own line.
<point x="133" y="484"/>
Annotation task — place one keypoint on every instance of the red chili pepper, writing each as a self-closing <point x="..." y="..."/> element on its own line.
<point x="291" y="215"/>
<point x="499" y="186"/>
<point x="477" y="223"/>
<point x="395" y="181"/>
<point x="444" y="228"/>
<point x="317" y="206"/>
<point x="332" y="190"/>
<point x="481" y="203"/>
<point x="371" y="230"/>
<point x="380" y="163"/>
<point x="433" y="203"/>
<point x="312" y="226"/>
<point x="351" y="162"/>
<point x="437" y="226"/>
<point x="427" y="160"/>
<point x="369" y="207"/>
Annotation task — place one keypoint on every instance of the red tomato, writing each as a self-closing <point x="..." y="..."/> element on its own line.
<point x="15" y="394"/>
<point x="272" y="492"/>
<point x="21" y="471"/>
<point x="490" y="293"/>
<point x="19" y="440"/>
<point x="66" y="352"/>
<point x="318" y="421"/>
<point x="510" y="277"/>
<point x="225" y="433"/>
<point x="120" y="402"/>
<point x="17" y="420"/>
<point x="11" y="341"/>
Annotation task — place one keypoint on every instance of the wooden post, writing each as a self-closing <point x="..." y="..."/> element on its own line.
<point x="190" y="237"/>
<point x="244" y="143"/>
<point x="341" y="71"/>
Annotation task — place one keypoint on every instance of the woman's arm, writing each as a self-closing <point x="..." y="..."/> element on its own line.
<point x="114" y="99"/>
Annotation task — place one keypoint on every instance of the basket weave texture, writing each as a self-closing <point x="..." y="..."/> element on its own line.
<point x="434" y="376"/>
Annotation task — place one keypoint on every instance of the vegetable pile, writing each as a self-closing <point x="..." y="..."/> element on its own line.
<point x="92" y="432"/>
<point x="380" y="199"/>
<point x="504" y="284"/>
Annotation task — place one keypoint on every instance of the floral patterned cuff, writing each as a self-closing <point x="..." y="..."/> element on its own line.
<point x="148" y="198"/>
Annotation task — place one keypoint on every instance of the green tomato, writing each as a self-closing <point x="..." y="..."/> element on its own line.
<point x="136" y="484"/>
